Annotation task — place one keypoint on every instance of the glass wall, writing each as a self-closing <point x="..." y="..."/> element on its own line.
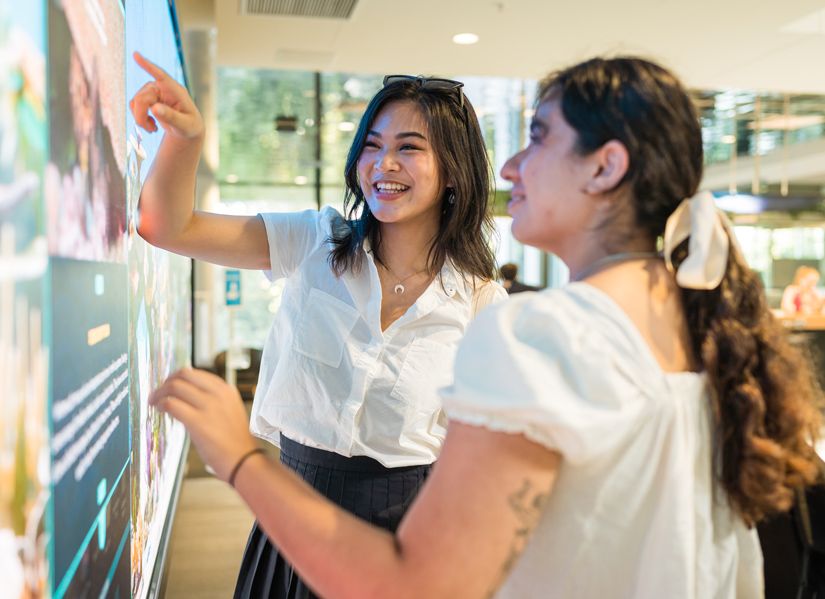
<point x="268" y="128"/>
<point x="776" y="247"/>
<point x="752" y="123"/>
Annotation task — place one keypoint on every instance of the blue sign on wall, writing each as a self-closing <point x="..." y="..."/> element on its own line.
<point x="233" y="288"/>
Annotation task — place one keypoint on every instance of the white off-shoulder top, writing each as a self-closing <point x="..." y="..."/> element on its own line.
<point x="635" y="511"/>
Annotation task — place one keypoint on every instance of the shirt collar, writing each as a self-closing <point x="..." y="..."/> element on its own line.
<point x="451" y="281"/>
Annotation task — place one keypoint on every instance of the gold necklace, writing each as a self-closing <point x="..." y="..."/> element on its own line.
<point x="399" y="286"/>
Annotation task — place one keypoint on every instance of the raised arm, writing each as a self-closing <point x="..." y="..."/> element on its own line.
<point x="459" y="540"/>
<point x="167" y="216"/>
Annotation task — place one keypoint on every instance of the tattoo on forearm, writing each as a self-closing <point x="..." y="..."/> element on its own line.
<point x="527" y="505"/>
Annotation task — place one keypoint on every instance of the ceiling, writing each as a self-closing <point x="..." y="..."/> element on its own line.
<point x="776" y="46"/>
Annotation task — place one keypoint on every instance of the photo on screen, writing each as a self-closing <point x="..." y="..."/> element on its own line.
<point x="85" y="195"/>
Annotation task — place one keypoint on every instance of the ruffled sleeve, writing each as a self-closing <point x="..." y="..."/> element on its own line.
<point x="292" y="236"/>
<point x="545" y="366"/>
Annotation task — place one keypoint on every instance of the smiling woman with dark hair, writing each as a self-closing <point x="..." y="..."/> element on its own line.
<point x="374" y="304"/>
<point x="464" y="227"/>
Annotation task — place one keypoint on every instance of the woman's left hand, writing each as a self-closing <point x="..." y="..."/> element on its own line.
<point x="212" y="412"/>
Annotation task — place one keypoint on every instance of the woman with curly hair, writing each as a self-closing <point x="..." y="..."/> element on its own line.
<point x="618" y="437"/>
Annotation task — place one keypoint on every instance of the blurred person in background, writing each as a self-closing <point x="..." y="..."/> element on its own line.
<point x="801" y="296"/>
<point x="509" y="272"/>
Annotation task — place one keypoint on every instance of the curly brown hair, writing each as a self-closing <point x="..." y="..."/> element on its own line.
<point x="765" y="401"/>
<point x="766" y="397"/>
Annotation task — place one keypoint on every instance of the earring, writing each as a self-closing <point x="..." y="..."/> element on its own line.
<point x="451" y="196"/>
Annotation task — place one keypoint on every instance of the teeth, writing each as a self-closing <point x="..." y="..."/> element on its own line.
<point x="391" y="187"/>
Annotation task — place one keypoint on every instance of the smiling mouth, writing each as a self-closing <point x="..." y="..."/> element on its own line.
<point x="388" y="189"/>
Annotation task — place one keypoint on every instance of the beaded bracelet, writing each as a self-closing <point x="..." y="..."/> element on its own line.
<point x="244" y="457"/>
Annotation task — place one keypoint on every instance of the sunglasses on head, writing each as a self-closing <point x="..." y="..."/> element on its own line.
<point x="429" y="83"/>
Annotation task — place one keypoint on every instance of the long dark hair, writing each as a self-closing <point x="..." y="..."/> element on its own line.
<point x="764" y="397"/>
<point x="465" y="226"/>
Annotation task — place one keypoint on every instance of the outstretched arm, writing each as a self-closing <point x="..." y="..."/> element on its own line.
<point x="459" y="540"/>
<point x="167" y="216"/>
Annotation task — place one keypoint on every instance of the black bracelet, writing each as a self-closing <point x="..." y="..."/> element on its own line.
<point x="244" y="457"/>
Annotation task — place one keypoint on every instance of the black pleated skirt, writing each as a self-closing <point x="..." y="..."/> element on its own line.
<point x="360" y="485"/>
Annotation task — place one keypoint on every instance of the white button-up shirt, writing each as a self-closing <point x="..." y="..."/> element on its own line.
<point x="330" y="377"/>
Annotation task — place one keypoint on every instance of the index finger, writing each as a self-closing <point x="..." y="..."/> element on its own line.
<point x="149" y="66"/>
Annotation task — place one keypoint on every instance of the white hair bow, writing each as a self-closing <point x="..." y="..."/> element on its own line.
<point x="707" y="258"/>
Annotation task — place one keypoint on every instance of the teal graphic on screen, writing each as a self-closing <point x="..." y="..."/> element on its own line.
<point x="90" y="424"/>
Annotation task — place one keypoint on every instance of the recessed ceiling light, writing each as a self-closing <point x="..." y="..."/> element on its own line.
<point x="301" y="180"/>
<point x="231" y="178"/>
<point x="346" y="126"/>
<point x="465" y="39"/>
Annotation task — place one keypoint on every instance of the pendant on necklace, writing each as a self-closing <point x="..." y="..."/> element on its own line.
<point x="399" y="289"/>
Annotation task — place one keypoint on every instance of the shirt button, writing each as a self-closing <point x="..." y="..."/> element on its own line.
<point x="450" y="291"/>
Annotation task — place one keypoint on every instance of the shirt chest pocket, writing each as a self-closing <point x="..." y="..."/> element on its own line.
<point x="324" y="325"/>
<point x="428" y="366"/>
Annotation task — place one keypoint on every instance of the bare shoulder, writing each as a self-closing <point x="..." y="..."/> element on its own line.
<point x="649" y="296"/>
